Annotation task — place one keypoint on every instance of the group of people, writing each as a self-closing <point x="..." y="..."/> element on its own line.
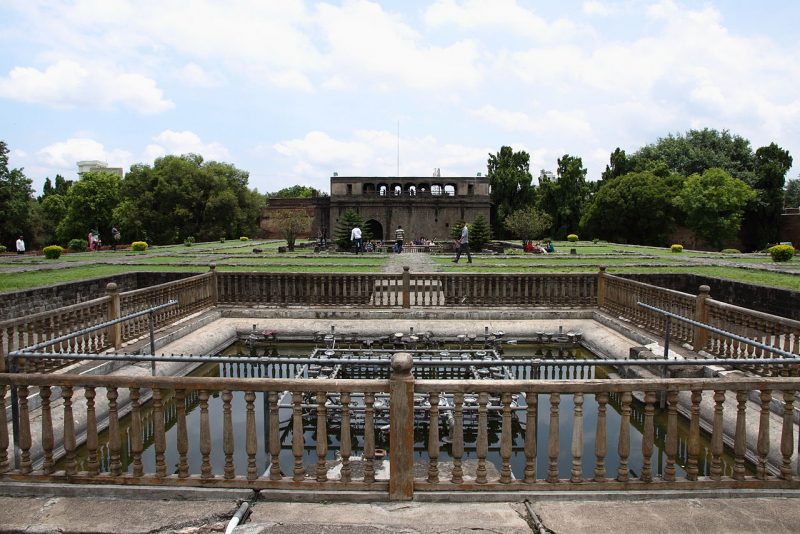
<point x="358" y="242"/>
<point x="540" y="248"/>
<point x="462" y="244"/>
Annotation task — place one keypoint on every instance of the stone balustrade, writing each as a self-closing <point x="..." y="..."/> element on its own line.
<point x="764" y="448"/>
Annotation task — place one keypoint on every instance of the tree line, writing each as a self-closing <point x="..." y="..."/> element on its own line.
<point x="709" y="181"/>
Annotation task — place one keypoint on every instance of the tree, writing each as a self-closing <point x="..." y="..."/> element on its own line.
<point x="182" y="196"/>
<point x="618" y="165"/>
<point x="510" y="182"/>
<point x="480" y="233"/>
<point x="349" y="220"/>
<point x="528" y="223"/>
<point x="15" y="202"/>
<point x="762" y="218"/>
<point x="635" y="208"/>
<point x="791" y="193"/>
<point x="714" y="203"/>
<point x="90" y="204"/>
<point x="297" y="191"/>
<point x="292" y="224"/>
<point x="564" y="197"/>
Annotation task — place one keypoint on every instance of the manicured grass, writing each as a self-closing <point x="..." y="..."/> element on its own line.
<point x="16" y="281"/>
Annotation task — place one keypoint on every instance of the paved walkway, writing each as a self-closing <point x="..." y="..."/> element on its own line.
<point x="418" y="262"/>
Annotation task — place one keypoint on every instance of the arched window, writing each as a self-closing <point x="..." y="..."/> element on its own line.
<point x="450" y="190"/>
<point x="436" y="189"/>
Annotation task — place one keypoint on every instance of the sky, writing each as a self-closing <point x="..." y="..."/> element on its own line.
<point x="294" y="91"/>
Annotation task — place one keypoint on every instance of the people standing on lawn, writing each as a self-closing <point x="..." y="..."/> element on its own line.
<point x="90" y="239"/>
<point x="355" y="237"/>
<point x="463" y="244"/>
<point x="399" y="237"/>
<point x="20" y="245"/>
<point x="116" y="236"/>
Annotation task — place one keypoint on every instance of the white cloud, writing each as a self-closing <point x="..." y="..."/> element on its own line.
<point x="185" y="142"/>
<point x="196" y="76"/>
<point x="596" y="7"/>
<point x="68" y="84"/>
<point x="64" y="155"/>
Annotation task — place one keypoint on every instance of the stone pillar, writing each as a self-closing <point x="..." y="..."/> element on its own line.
<point x="601" y="286"/>
<point x="700" y="335"/>
<point x="406" y="287"/>
<point x="115" y="330"/>
<point x="212" y="268"/>
<point x="401" y="428"/>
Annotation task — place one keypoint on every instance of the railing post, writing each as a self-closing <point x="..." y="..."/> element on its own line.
<point x="601" y="286"/>
<point x="406" y="287"/>
<point x="700" y="335"/>
<point x="401" y="428"/>
<point x="115" y="330"/>
<point x="212" y="267"/>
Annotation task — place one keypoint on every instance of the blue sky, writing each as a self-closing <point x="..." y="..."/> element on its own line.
<point x="294" y="91"/>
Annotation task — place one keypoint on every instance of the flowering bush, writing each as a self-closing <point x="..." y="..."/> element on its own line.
<point x="78" y="245"/>
<point x="138" y="246"/>
<point x="244" y="238"/>
<point x="3" y="249"/>
<point x="676" y="248"/>
<point x="572" y="238"/>
<point x="781" y="252"/>
<point x="53" y="252"/>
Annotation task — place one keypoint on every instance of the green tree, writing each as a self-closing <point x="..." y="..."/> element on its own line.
<point x="90" y="204"/>
<point x="618" y="165"/>
<point x="635" y="208"/>
<point x="695" y="152"/>
<point x="292" y="224"/>
<point x="510" y="181"/>
<point x="297" y="191"/>
<point x="349" y="220"/>
<point x="15" y="202"/>
<point x="564" y="197"/>
<point x="528" y="223"/>
<point x="762" y="218"/>
<point x="480" y="233"/>
<point x="791" y="193"/>
<point x="714" y="203"/>
<point x="182" y="196"/>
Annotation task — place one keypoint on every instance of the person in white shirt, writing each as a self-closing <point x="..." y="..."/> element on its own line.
<point x="355" y="236"/>
<point x="20" y="246"/>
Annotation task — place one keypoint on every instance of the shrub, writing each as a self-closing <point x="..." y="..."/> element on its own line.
<point x="676" y="248"/>
<point x="53" y="252"/>
<point x="595" y="241"/>
<point x="3" y="249"/>
<point x="781" y="252"/>
<point x="222" y="239"/>
<point x="189" y="241"/>
<point x="572" y="238"/>
<point x="244" y="238"/>
<point x="138" y="246"/>
<point x="730" y="251"/>
<point x="78" y="245"/>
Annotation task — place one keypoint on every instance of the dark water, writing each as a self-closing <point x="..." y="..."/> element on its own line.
<point x="566" y="411"/>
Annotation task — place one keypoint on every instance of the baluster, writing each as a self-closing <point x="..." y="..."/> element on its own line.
<point x="482" y="445"/>
<point x="4" y="441"/>
<point x="159" y="424"/>
<point x="322" y="437"/>
<point x="506" y="440"/>
<point x="24" y="430"/>
<point x="251" y="441"/>
<point x="227" y="435"/>
<point x="297" y="436"/>
<point x="763" y="435"/>
<point x="553" y="439"/>
<point x="577" y="438"/>
<point x="672" y="435"/>
<point x="458" y="439"/>
<point x="647" y="438"/>
<point x="624" y="444"/>
<point x="70" y="464"/>
<point x="716" y="436"/>
<point x="205" y="437"/>
<point x="369" y="438"/>
<point x="693" y="447"/>
<point x="787" y="436"/>
<point x="137" y="439"/>
<point x="274" y="438"/>
<point x="182" y="439"/>
<point x="92" y="464"/>
<point x="601" y="439"/>
<point x="740" y="440"/>
<point x="345" y="446"/>
<point x="47" y="430"/>
<point x="433" y="439"/>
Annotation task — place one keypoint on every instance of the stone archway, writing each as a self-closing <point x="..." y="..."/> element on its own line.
<point x="375" y="229"/>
